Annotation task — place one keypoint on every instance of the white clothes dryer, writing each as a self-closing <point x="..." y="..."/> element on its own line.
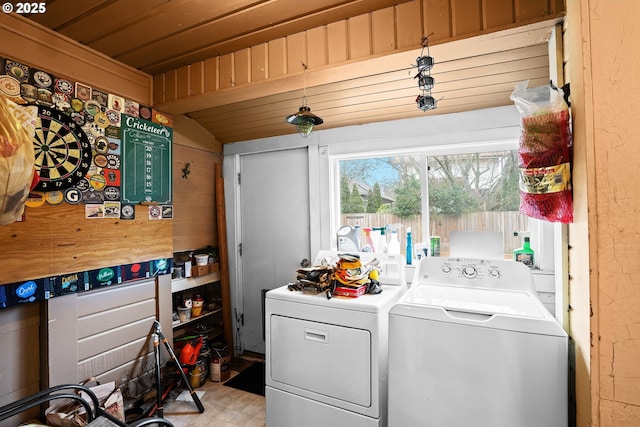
<point x="327" y="359"/>
<point x="472" y="345"/>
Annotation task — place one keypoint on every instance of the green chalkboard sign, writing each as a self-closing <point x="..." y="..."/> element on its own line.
<point x="146" y="161"/>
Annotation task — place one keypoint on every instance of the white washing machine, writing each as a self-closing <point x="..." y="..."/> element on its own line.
<point x="470" y="344"/>
<point x="327" y="359"/>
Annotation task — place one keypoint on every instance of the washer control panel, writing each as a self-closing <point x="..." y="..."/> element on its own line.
<point x="484" y="273"/>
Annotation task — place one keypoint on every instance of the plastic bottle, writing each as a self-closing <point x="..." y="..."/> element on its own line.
<point x="376" y="237"/>
<point x="348" y="239"/>
<point x="368" y="243"/>
<point x="409" y="251"/>
<point x="383" y="247"/>
<point x="525" y="254"/>
<point x="394" y="243"/>
<point x="187" y="265"/>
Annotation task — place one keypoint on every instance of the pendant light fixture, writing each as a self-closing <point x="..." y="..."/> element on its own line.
<point x="304" y="120"/>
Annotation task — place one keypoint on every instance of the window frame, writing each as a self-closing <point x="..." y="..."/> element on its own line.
<point x="423" y="153"/>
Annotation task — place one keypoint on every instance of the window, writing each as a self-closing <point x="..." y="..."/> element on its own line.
<point x="432" y="192"/>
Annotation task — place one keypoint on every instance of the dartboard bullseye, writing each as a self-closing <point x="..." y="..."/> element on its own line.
<point x="62" y="151"/>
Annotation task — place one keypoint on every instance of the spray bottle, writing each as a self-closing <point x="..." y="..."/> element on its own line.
<point x="394" y="243"/>
<point x="368" y="243"/>
<point x="409" y="250"/>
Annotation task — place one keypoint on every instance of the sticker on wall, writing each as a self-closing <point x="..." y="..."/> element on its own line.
<point x="128" y="211"/>
<point x="101" y="97"/>
<point x="111" y="209"/>
<point x="131" y="108"/>
<point x="112" y="132"/>
<point x="111" y="193"/>
<point x="73" y="196"/>
<point x="83" y="92"/>
<point x="92" y="196"/>
<point x="115" y="103"/>
<point x="138" y="270"/>
<point x="17" y="70"/>
<point x="101" y="120"/>
<point x="42" y="79"/>
<point x="104" y="277"/>
<point x="162" y="118"/>
<point x="113" y="162"/>
<point x="35" y="199"/>
<point x="92" y="107"/>
<point x="68" y="284"/>
<point x="145" y="112"/>
<point x="9" y="86"/>
<point x="63" y="86"/>
<point x="155" y="212"/>
<point x="44" y="97"/>
<point x="114" y="117"/>
<point x="77" y="105"/>
<point x="111" y="176"/>
<point x="94" y="210"/>
<point x="167" y="211"/>
<point x="54" y="197"/>
<point x="28" y="92"/>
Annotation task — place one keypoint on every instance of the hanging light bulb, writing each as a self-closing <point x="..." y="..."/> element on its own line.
<point x="304" y="119"/>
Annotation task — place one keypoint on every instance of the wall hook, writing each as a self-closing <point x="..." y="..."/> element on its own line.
<point x="186" y="171"/>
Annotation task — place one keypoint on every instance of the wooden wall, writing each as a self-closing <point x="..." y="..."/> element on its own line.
<point x="58" y="239"/>
<point x="603" y="59"/>
<point x="195" y="219"/>
<point x="395" y="29"/>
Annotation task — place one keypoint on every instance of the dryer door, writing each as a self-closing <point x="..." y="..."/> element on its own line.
<point x="330" y="360"/>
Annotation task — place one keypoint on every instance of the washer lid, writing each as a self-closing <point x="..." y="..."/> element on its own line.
<point x="475" y="300"/>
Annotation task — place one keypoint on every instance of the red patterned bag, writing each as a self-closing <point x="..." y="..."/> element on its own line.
<point x="544" y="154"/>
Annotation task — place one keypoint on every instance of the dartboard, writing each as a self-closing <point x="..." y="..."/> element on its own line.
<point x="62" y="151"/>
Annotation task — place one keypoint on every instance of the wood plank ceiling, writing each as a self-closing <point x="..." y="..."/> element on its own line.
<point x="361" y="75"/>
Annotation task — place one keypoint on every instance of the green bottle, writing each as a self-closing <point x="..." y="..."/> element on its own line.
<point x="524" y="254"/>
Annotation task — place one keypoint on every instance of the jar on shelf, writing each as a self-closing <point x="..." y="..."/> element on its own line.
<point x="196" y="305"/>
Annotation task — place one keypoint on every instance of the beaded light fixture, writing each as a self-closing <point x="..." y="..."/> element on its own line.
<point x="424" y="63"/>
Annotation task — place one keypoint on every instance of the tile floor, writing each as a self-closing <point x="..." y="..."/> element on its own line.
<point x="223" y="407"/>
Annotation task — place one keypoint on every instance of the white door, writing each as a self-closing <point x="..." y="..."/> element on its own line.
<point x="274" y="230"/>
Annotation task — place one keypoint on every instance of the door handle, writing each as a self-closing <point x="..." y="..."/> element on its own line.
<point x="316" y="336"/>
<point x="305" y="263"/>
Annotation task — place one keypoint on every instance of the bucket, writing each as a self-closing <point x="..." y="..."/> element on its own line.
<point x="220" y="367"/>
<point x="198" y="375"/>
<point x="202" y="259"/>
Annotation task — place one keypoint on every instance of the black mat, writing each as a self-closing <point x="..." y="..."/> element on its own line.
<point x="251" y="379"/>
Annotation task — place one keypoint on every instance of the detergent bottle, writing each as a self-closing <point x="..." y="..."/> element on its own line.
<point x="347" y="237"/>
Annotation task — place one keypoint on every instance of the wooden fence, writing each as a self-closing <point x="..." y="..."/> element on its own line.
<point x="441" y="225"/>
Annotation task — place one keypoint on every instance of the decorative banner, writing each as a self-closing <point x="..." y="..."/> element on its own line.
<point x="146" y="161"/>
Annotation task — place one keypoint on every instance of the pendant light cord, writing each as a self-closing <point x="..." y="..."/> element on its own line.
<point x="304" y="84"/>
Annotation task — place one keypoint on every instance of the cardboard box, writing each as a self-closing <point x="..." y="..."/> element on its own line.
<point x="200" y="270"/>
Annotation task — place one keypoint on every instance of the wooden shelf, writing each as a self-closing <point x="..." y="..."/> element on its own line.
<point x="183" y="284"/>
<point x="179" y="324"/>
